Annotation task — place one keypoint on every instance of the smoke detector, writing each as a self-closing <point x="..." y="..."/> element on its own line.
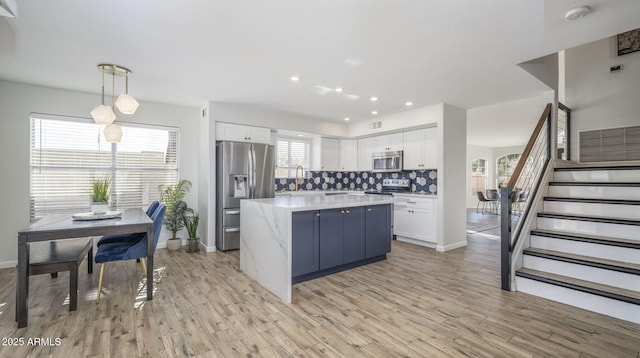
<point x="577" y="13"/>
<point x="8" y="8"/>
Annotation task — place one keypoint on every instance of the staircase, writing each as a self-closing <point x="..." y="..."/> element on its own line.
<point x="585" y="251"/>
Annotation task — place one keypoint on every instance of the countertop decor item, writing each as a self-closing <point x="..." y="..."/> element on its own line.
<point x="100" y="196"/>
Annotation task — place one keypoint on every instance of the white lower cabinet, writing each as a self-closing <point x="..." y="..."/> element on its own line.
<point x="415" y="220"/>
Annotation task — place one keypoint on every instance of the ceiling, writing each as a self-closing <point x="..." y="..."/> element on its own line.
<point x="461" y="52"/>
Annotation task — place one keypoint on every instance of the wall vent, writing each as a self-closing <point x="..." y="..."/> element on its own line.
<point x="375" y="125"/>
<point x="610" y="145"/>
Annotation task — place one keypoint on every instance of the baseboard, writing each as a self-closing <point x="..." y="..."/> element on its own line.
<point x="208" y="248"/>
<point x="446" y="248"/>
<point x="431" y="245"/>
<point x="8" y="264"/>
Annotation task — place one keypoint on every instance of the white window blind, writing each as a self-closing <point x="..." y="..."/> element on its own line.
<point x="67" y="154"/>
<point x="290" y="154"/>
<point x="478" y="176"/>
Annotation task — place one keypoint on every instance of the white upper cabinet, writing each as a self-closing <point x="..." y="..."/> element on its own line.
<point x="326" y="154"/>
<point x="365" y="152"/>
<point x="389" y="142"/>
<point x="348" y="155"/>
<point x="421" y="149"/>
<point x="241" y="133"/>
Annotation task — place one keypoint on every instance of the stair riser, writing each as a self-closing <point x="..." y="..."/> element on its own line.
<point x="599" y="176"/>
<point x="582" y="272"/>
<point x="595" y="192"/>
<point x="631" y="232"/>
<point x="618" y="309"/>
<point x="593" y="209"/>
<point x="587" y="249"/>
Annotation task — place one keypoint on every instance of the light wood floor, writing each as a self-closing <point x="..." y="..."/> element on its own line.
<point x="419" y="303"/>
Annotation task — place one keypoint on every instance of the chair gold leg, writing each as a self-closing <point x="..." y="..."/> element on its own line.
<point x="143" y="264"/>
<point x="102" y="269"/>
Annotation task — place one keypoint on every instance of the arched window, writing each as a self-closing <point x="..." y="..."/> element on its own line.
<point x="478" y="176"/>
<point x="505" y="166"/>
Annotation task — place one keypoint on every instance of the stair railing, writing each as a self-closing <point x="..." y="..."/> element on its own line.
<point x="516" y="197"/>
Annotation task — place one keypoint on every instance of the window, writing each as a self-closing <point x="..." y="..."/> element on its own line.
<point x="478" y="176"/>
<point x="67" y="154"/>
<point x="290" y="154"/>
<point x="506" y="165"/>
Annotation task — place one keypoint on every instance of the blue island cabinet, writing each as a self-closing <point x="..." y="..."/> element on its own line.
<point x="333" y="240"/>
<point x="305" y="243"/>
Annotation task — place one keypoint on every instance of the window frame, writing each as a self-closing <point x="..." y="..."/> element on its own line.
<point x="291" y="168"/>
<point x="474" y="177"/>
<point x="124" y="165"/>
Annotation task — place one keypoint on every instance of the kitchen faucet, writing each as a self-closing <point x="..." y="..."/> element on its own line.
<point x="301" y="176"/>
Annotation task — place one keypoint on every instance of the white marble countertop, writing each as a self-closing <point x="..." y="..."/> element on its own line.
<point x="320" y="202"/>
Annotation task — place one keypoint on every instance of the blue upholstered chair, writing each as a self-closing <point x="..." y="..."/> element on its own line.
<point x="107" y="239"/>
<point x="131" y="249"/>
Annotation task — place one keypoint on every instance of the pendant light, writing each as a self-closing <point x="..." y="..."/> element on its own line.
<point x="103" y="114"/>
<point x="125" y="103"/>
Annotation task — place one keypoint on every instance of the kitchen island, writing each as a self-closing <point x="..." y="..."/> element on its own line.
<point x="284" y="240"/>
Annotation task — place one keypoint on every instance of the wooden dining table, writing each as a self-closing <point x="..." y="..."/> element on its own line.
<point x="62" y="226"/>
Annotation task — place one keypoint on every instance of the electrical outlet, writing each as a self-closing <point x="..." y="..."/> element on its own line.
<point x="616" y="68"/>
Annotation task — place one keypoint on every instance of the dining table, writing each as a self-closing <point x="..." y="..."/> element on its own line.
<point x="63" y="226"/>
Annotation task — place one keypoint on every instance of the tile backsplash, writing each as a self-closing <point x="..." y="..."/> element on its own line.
<point x="421" y="181"/>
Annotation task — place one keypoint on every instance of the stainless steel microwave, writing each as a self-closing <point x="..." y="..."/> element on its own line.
<point x="387" y="162"/>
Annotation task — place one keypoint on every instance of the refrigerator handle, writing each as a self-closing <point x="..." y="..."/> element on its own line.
<point x="252" y="173"/>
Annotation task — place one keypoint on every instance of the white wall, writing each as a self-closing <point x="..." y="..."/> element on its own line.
<point x="419" y="117"/>
<point x="598" y="98"/>
<point x="275" y="119"/>
<point x="18" y="101"/>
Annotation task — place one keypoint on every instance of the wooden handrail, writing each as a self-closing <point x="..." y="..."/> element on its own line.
<point x="527" y="150"/>
<point x="563" y="107"/>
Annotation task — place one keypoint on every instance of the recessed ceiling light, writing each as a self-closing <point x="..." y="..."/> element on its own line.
<point x="373" y="99"/>
<point x="300" y="135"/>
<point x="577" y="13"/>
<point x="346" y="118"/>
<point x="351" y="97"/>
<point x="374" y="112"/>
<point x="294" y="78"/>
<point x="338" y="89"/>
<point x="352" y="62"/>
<point x="408" y="104"/>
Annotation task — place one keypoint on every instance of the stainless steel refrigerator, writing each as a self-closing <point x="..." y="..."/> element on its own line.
<point x="243" y="171"/>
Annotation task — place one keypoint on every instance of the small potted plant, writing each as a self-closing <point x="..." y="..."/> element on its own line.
<point x="191" y="221"/>
<point x="172" y="196"/>
<point x="100" y="196"/>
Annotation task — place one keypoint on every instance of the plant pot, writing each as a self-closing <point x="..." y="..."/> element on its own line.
<point x="193" y="245"/>
<point x="174" y="244"/>
<point x="99" y="207"/>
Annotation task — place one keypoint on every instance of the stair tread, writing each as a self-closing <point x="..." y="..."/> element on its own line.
<point x="587" y="284"/>
<point x="595" y="183"/>
<point x="598" y="260"/>
<point x="595" y="218"/>
<point x="596" y="168"/>
<point x="606" y="239"/>
<point x="593" y="200"/>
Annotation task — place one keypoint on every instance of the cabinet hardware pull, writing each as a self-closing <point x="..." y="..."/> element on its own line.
<point x="369" y="209"/>
<point x="347" y="211"/>
<point x="411" y="202"/>
<point x="317" y="214"/>
<point x="232" y="230"/>
<point x="341" y="211"/>
<point x="233" y="212"/>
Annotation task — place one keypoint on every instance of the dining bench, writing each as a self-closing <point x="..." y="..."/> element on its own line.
<point x="61" y="255"/>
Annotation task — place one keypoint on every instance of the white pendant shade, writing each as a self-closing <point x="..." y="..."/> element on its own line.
<point x="103" y="114"/>
<point x="113" y="133"/>
<point x="127" y="104"/>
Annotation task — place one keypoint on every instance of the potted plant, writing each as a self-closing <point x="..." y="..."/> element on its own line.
<point x="172" y="196"/>
<point x="100" y="196"/>
<point x="191" y="221"/>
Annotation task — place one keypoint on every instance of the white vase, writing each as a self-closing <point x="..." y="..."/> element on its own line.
<point x="99" y="207"/>
<point x="174" y="244"/>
